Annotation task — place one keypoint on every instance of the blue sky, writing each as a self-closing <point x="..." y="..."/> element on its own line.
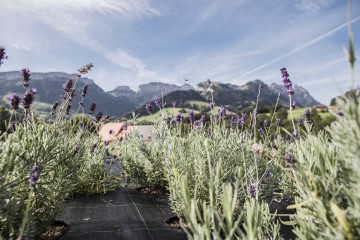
<point x="133" y="42"/>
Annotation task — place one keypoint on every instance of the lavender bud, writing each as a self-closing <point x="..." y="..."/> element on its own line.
<point x="278" y="122"/>
<point x="27" y="99"/>
<point x="261" y="131"/>
<point x="209" y="81"/>
<point x="149" y="108"/>
<point x="289" y="160"/>
<point x="84" y="90"/>
<point x="25" y="74"/>
<point x="98" y="117"/>
<point x="222" y="112"/>
<point x="266" y="124"/>
<point x="106" y="142"/>
<point x="34" y="176"/>
<point x="124" y="126"/>
<point x="67" y="110"/>
<point x="158" y="103"/>
<point x="191" y="115"/>
<point x="68" y="85"/>
<point x="172" y="122"/>
<point x="179" y="117"/>
<point x="287" y="82"/>
<point x="212" y="105"/>
<point x="300" y="121"/>
<point x="81" y="125"/>
<point x="252" y="189"/>
<point x="92" y="108"/>
<point x="2" y="55"/>
<point x="295" y="134"/>
<point x="33" y="90"/>
<point x="55" y="105"/>
<point x="85" y="69"/>
<point x="307" y="116"/>
<point x="14" y="101"/>
<point x="293" y="105"/>
<point x="174" y="104"/>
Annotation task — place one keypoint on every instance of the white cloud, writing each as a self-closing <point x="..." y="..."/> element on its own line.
<point x="313" y="6"/>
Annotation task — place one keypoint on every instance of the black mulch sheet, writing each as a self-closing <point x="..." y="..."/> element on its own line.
<point x="123" y="214"/>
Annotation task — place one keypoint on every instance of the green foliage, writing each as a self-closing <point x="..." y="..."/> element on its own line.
<point x="4" y="119"/>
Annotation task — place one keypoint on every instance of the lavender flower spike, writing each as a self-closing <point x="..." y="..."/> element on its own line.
<point x="14" y="101"/>
<point x="287" y="82"/>
<point x="2" y="55"/>
<point x="149" y="108"/>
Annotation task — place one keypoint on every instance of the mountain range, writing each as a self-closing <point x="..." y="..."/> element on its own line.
<point x="123" y="100"/>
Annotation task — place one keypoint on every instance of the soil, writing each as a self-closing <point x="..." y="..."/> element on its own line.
<point x="54" y="231"/>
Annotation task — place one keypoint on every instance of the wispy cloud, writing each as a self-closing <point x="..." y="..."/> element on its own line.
<point x="313" y="6"/>
<point x="297" y="49"/>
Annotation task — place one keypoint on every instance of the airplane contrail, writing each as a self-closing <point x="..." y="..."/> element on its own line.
<point x="305" y="45"/>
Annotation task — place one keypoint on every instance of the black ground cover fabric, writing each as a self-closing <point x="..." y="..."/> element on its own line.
<point x="123" y="214"/>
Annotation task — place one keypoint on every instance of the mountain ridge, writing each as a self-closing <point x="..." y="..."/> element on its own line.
<point x="122" y="99"/>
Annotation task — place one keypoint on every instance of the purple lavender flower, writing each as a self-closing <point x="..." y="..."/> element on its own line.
<point x="212" y="105"/>
<point x="67" y="110"/>
<point x="92" y="108"/>
<point x="124" y="126"/>
<point x="81" y="125"/>
<point x="77" y="147"/>
<point x="27" y="99"/>
<point x="72" y="94"/>
<point x="240" y="120"/>
<point x="340" y="113"/>
<point x="34" y="176"/>
<point x="266" y="124"/>
<point x="300" y="121"/>
<point x="252" y="189"/>
<point x="2" y="55"/>
<point x="261" y="131"/>
<point x="287" y="137"/>
<point x="222" y="112"/>
<point x="278" y="122"/>
<point x="174" y="104"/>
<point x="179" y="117"/>
<point x="55" y="105"/>
<point x="307" y="116"/>
<point x="191" y="115"/>
<point x="172" y="122"/>
<point x="293" y="105"/>
<point x="33" y="90"/>
<point x="295" y="134"/>
<point x="158" y="103"/>
<point x="14" y="101"/>
<point x="84" y="90"/>
<point x="287" y="82"/>
<point x="85" y="69"/>
<point x="68" y="85"/>
<point x="98" y="116"/>
<point x="149" y="108"/>
<point x="106" y="142"/>
<point x="28" y="117"/>
<point x="275" y="136"/>
<point x="289" y="160"/>
<point x="25" y="74"/>
<point x="209" y="81"/>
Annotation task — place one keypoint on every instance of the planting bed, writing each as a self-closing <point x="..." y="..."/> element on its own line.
<point x="123" y="214"/>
